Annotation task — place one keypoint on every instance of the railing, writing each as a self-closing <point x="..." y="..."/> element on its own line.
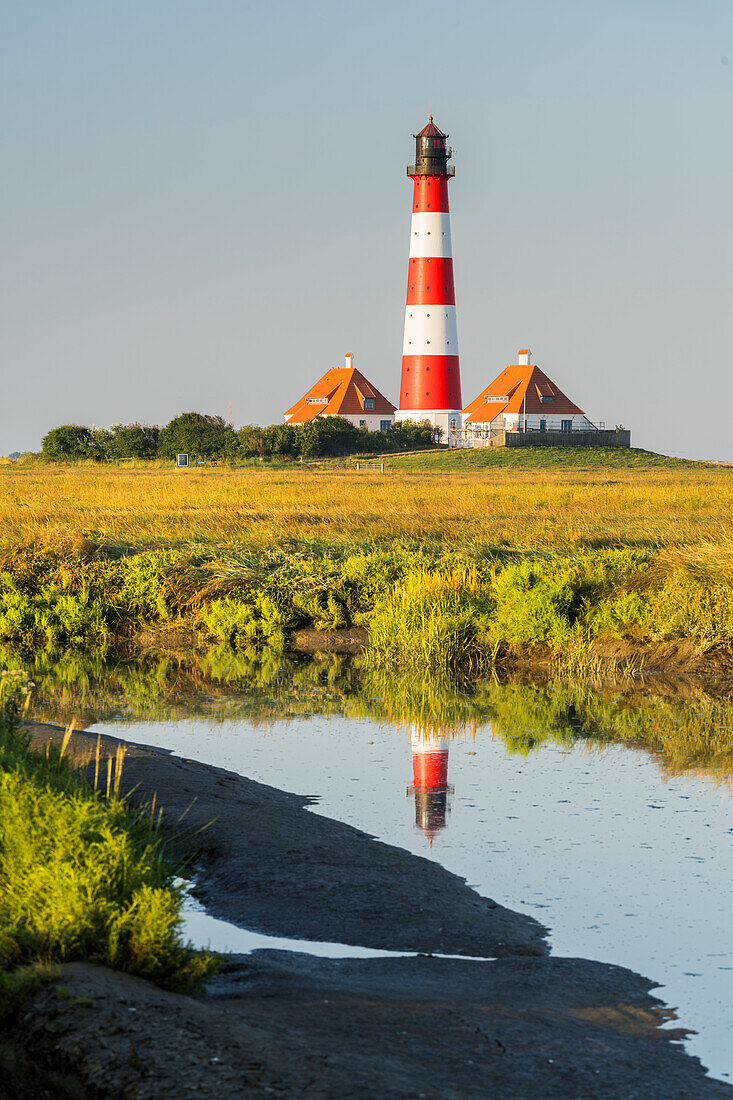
<point x="486" y="437"/>
<point x="591" y="426"/>
<point x="413" y="170"/>
<point x="370" y="466"/>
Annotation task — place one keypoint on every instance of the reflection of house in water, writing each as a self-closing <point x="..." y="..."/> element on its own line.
<point x="430" y="780"/>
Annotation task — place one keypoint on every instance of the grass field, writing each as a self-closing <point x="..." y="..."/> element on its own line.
<point x="531" y="499"/>
<point x="446" y="557"/>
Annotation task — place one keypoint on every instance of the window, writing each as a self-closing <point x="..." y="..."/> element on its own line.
<point x="453" y="424"/>
<point x="543" y="425"/>
<point x="317" y="401"/>
<point x="566" y="425"/>
<point x="496" y="397"/>
<point x="385" y="425"/>
<point x="368" y="402"/>
<point x="362" y="423"/>
<point x="545" y="397"/>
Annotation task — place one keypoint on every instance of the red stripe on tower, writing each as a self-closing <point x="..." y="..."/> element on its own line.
<point x="431" y="378"/>
<point x="430" y="781"/>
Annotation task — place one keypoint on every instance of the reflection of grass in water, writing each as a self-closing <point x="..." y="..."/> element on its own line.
<point x="265" y="686"/>
<point x="223" y="683"/>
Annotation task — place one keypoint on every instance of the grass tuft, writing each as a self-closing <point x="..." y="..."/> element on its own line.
<point x="82" y="875"/>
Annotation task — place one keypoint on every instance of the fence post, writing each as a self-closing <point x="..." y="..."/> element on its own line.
<point x="382" y="467"/>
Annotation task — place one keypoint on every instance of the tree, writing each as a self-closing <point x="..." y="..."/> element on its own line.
<point x="328" y="435"/>
<point x="135" y="440"/>
<point x="194" y="433"/>
<point x="99" y="445"/>
<point x="281" y="439"/>
<point x="68" y="441"/>
<point x="250" y="441"/>
<point x="409" y="435"/>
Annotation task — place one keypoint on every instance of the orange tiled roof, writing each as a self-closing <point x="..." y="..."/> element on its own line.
<point x="340" y="392"/>
<point x="512" y="385"/>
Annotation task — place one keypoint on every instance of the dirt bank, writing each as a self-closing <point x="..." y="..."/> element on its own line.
<point x="526" y="1025"/>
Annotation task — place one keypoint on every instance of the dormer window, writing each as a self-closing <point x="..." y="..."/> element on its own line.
<point x="545" y="397"/>
<point x="317" y="401"/>
<point x="368" y="402"/>
<point x="492" y="397"/>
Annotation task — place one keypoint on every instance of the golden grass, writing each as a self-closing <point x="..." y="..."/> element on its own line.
<point x="558" y="509"/>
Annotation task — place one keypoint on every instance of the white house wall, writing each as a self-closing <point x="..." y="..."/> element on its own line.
<point x="371" y="423"/>
<point x="438" y="419"/>
<point x="514" y="422"/>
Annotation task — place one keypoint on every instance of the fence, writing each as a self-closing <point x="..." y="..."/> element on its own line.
<point x="370" y="466"/>
<point x="577" y="436"/>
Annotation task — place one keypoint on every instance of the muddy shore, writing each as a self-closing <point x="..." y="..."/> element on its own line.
<point x="525" y="1025"/>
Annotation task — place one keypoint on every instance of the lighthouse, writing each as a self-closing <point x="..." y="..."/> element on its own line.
<point x="431" y="383"/>
<point x="429" y="780"/>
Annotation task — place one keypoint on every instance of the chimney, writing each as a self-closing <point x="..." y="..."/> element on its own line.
<point x="524" y="357"/>
<point x="349" y="360"/>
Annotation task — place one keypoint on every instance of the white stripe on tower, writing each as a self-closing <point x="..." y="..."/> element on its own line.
<point x="430" y="330"/>
<point x="430" y="235"/>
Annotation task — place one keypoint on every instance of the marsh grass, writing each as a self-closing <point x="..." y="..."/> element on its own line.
<point x="550" y="504"/>
<point x="432" y="622"/>
<point x="565" y="549"/>
<point x="83" y="875"/>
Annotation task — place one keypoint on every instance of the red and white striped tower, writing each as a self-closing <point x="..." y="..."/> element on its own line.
<point x="431" y="380"/>
<point x="430" y="780"/>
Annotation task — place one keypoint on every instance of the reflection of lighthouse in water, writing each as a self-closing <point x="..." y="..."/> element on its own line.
<point x="430" y="780"/>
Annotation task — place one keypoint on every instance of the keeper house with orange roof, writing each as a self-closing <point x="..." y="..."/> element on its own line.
<point x="523" y="407"/>
<point x="345" y="392"/>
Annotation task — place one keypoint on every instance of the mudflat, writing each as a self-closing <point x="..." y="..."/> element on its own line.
<point x="525" y="1024"/>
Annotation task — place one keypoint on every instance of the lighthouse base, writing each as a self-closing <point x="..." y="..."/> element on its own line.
<point x="447" y="420"/>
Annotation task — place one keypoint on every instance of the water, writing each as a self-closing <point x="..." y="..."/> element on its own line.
<point x="208" y="932"/>
<point x="625" y="861"/>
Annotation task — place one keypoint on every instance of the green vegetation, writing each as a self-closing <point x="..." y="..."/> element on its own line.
<point x="442" y="460"/>
<point x="83" y="875"/>
<point x="197" y="433"/>
<point x="447" y="572"/>
<point x="691" y="730"/>
<point x="211" y="437"/>
<point x="427" y="608"/>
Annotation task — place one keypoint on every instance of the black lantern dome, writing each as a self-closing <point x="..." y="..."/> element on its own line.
<point x="431" y="152"/>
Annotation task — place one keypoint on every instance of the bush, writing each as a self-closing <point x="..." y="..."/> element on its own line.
<point x="242" y="624"/>
<point x="135" y="440"/>
<point x="534" y="605"/>
<point x="51" y="615"/>
<point x="69" y="441"/>
<point x="197" y="434"/>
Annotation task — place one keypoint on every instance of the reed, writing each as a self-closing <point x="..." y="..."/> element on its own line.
<point x="81" y="876"/>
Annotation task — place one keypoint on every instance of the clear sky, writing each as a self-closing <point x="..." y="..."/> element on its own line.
<point x="206" y="202"/>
